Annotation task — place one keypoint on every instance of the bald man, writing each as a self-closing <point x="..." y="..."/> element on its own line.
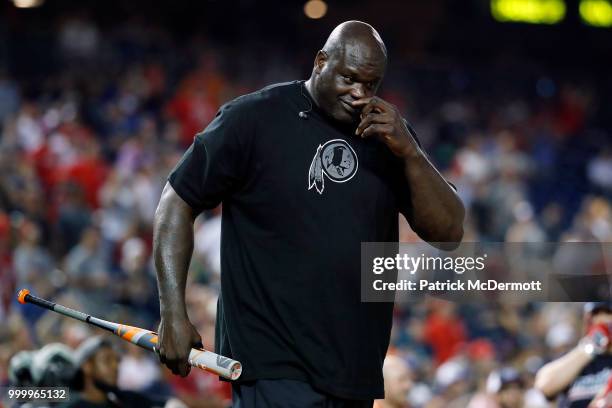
<point x="398" y="381"/>
<point x="306" y="171"/>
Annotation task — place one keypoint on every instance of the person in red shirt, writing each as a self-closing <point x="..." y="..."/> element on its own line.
<point x="444" y="331"/>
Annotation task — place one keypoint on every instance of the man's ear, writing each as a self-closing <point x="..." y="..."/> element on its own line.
<point x="320" y="61"/>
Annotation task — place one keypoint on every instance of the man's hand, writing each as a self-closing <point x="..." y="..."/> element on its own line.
<point x="597" y="341"/>
<point x="177" y="336"/>
<point x="435" y="212"/>
<point x="382" y="119"/>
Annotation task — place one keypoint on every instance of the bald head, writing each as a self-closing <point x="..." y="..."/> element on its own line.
<point x="394" y="367"/>
<point x="350" y="66"/>
<point x="356" y="34"/>
<point x="398" y="381"/>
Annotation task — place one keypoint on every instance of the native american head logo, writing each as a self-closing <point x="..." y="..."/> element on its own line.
<point x="336" y="159"/>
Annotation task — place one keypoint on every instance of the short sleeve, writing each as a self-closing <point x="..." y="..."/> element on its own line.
<point x="215" y="165"/>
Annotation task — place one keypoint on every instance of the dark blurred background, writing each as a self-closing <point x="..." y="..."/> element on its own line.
<point x="98" y="100"/>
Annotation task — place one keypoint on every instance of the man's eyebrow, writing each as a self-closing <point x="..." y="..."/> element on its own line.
<point x="355" y="73"/>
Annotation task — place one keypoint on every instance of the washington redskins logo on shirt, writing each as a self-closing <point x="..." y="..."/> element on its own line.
<point x="335" y="159"/>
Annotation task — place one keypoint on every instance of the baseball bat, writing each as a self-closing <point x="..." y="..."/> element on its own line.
<point x="200" y="358"/>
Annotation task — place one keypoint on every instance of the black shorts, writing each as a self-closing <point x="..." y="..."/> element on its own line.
<point x="287" y="394"/>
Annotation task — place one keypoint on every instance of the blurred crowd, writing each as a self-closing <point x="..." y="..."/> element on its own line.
<point x="85" y="150"/>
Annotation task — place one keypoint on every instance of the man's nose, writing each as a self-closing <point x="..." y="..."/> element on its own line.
<point x="358" y="91"/>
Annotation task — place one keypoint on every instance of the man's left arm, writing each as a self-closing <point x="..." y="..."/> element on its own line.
<point x="437" y="212"/>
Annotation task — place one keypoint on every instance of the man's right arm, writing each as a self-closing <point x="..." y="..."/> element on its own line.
<point x="172" y="250"/>
<point x="557" y="375"/>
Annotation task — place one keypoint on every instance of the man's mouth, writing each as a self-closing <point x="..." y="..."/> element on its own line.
<point x="348" y="107"/>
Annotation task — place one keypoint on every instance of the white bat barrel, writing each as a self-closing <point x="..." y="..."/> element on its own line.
<point x="209" y="361"/>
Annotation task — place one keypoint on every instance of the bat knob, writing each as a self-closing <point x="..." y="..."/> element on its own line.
<point x="21" y="296"/>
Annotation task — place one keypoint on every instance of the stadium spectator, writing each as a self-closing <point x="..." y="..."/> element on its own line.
<point x="505" y="389"/>
<point x="444" y="331"/>
<point x="453" y="384"/>
<point x="87" y="270"/>
<point x="32" y="260"/>
<point x="398" y="382"/>
<point x="579" y="375"/>
<point x="98" y="366"/>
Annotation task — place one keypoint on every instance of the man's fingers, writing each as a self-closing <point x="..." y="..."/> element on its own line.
<point x="178" y="366"/>
<point x="184" y="369"/>
<point x="175" y="346"/>
<point x="161" y="352"/>
<point x="158" y="348"/>
<point x="196" y="339"/>
<point x="366" y="105"/>
<point x="371" y="107"/>
<point x="369" y="104"/>
<point x="370" y="100"/>
<point x="361" y="102"/>
<point x="372" y="118"/>
<point x="377" y="129"/>
<point x="161" y="355"/>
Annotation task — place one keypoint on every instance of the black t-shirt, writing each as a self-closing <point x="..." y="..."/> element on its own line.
<point x="299" y="196"/>
<point x="592" y="379"/>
